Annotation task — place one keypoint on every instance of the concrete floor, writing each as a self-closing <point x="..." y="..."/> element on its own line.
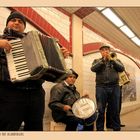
<point x="131" y="121"/>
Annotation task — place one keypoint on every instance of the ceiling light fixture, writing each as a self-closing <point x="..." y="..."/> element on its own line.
<point x="136" y="40"/>
<point x="108" y="13"/>
<point x="112" y="17"/>
<point x="127" y="31"/>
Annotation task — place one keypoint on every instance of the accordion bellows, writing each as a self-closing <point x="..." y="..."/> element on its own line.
<point x="36" y="56"/>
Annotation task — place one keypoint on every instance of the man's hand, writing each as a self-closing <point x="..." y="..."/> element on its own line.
<point x="5" y="45"/>
<point x="65" y="52"/>
<point x="66" y="107"/>
<point x="86" y="96"/>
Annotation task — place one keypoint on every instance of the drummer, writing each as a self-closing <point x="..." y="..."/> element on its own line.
<point x="62" y="97"/>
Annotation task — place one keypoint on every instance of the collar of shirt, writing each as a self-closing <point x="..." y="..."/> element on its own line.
<point x="68" y="84"/>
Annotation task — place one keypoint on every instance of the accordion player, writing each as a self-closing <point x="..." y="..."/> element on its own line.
<point x="35" y="56"/>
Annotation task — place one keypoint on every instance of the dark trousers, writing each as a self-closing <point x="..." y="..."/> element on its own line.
<point x="108" y="112"/>
<point x="72" y="123"/>
<point x="21" y="105"/>
<point x="108" y="95"/>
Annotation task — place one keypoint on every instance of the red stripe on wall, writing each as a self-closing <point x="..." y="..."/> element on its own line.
<point x="90" y="47"/>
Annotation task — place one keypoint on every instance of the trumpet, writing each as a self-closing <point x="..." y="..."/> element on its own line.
<point x="113" y="56"/>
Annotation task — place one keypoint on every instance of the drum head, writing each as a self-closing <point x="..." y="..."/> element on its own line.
<point x="84" y="108"/>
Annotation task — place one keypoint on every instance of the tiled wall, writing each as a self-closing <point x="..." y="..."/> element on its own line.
<point x="3" y="14"/>
<point x="57" y="19"/>
<point x="90" y="36"/>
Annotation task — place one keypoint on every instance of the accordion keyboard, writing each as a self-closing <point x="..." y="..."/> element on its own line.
<point x="17" y="62"/>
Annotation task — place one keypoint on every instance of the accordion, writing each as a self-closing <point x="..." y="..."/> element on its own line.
<point x="123" y="78"/>
<point x="35" y="56"/>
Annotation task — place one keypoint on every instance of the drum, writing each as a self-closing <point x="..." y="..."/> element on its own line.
<point x="85" y="108"/>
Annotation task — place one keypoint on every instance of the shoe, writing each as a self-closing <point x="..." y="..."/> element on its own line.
<point x="122" y="125"/>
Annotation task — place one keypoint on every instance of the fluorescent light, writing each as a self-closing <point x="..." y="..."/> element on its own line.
<point x="100" y="8"/>
<point x="127" y="31"/>
<point x="113" y="17"/>
<point x="136" y="40"/>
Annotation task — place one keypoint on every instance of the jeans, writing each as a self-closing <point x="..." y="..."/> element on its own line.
<point x="108" y="95"/>
<point x="109" y="112"/>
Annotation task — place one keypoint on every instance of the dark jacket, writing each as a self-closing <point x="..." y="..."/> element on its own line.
<point x="61" y="95"/>
<point x="107" y="71"/>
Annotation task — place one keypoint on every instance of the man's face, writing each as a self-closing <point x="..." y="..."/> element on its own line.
<point x="16" y="24"/>
<point x="71" y="79"/>
<point x="105" y="52"/>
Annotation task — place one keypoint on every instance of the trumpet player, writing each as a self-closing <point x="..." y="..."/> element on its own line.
<point x="122" y="81"/>
<point x="107" y="87"/>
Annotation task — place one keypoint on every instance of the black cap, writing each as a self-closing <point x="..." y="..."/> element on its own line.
<point x="102" y="47"/>
<point x="16" y="14"/>
<point x="70" y="72"/>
